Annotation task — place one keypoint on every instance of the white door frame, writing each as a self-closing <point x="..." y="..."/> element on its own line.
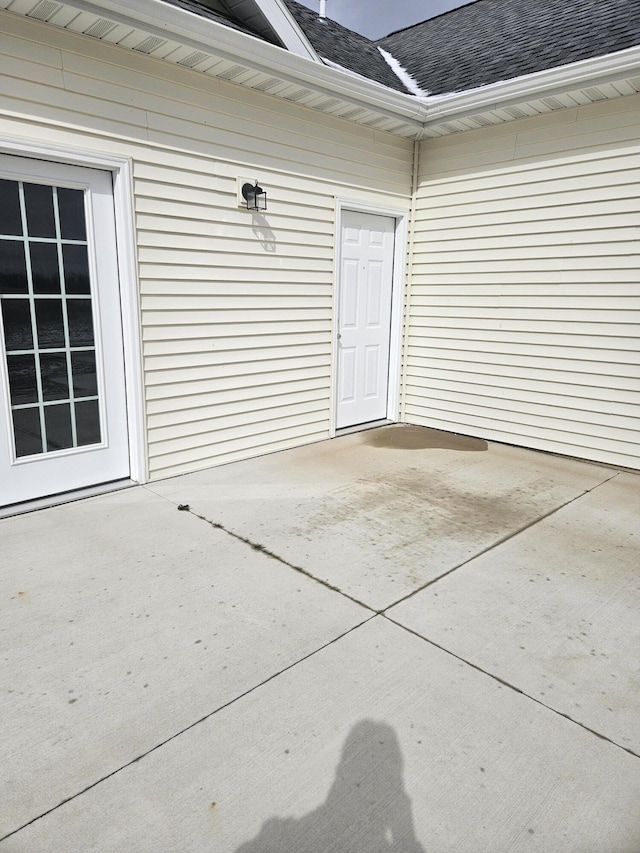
<point x="121" y="169"/>
<point x="401" y="216"/>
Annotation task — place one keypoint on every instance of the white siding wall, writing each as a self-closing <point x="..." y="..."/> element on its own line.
<point x="236" y="310"/>
<point x="525" y="296"/>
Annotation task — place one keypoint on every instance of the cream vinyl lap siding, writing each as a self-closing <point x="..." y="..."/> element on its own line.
<point x="236" y="308"/>
<point x="525" y="296"/>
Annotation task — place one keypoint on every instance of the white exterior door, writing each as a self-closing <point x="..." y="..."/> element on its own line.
<point x="63" y="418"/>
<point x="364" y="322"/>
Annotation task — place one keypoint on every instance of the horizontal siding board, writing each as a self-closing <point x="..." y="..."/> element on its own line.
<point x="198" y="377"/>
<point x="226" y="330"/>
<point x="228" y="380"/>
<point x="536" y="421"/>
<point x="185" y="421"/>
<point x="479" y="252"/>
<point x="229" y="251"/>
<point x="289" y="416"/>
<point x="298" y="268"/>
<point x="625" y="347"/>
<point x="542" y="182"/>
<point x="617" y="228"/>
<point x="165" y="365"/>
<point x="200" y="238"/>
<point x="593" y="320"/>
<point x="241" y="343"/>
<point x="481" y="278"/>
<point x="545" y="198"/>
<point x="477" y="213"/>
<point x="162" y="304"/>
<point x="231" y="449"/>
<point x="221" y="317"/>
<point x="173" y="407"/>
<point x="225" y="279"/>
<point x="621" y="361"/>
<point x="491" y="428"/>
<point x="235" y="437"/>
<point x="163" y="221"/>
<point x="156" y="294"/>
<point x="568" y="401"/>
<point x="529" y="370"/>
<point x="582" y="166"/>
<point x="511" y="304"/>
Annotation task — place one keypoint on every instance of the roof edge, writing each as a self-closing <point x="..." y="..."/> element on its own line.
<point x="598" y="70"/>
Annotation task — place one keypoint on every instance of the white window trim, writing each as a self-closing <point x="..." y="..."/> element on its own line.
<point x="401" y="216"/>
<point x="121" y="169"/>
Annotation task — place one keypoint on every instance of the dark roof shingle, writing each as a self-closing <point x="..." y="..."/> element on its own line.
<point x="336" y="43"/>
<point x="491" y="40"/>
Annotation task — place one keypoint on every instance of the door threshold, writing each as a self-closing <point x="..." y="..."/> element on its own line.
<point x="362" y="427"/>
<point x="65" y="497"/>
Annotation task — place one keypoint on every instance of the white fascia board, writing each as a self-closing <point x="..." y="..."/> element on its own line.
<point x="587" y="72"/>
<point x="167" y="21"/>
<point x="286" y="27"/>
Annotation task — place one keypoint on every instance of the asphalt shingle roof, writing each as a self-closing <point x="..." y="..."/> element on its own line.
<point x="492" y="40"/>
<point x="344" y="47"/>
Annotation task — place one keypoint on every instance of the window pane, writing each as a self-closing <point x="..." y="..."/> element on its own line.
<point x="44" y="267"/>
<point x="71" y="209"/>
<point x="26" y="428"/>
<point x="13" y="267"/>
<point x="54" y="377"/>
<point x="57" y="421"/>
<point x="16" y="319"/>
<point x="22" y="379"/>
<point x="76" y="269"/>
<point x="80" y="322"/>
<point x="88" y="423"/>
<point x="39" y="204"/>
<point x="50" y="324"/>
<point x="10" y="221"/>
<point x="83" y="369"/>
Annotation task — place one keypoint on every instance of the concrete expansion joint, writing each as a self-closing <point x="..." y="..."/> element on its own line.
<point x="498" y="542"/>
<point x="255" y="546"/>
<point x="513" y="687"/>
<point x="188" y="728"/>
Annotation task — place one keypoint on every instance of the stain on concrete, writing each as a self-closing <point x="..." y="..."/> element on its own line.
<point x="421" y="438"/>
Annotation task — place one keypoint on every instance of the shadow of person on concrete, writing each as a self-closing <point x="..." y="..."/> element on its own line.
<point x="367" y="809"/>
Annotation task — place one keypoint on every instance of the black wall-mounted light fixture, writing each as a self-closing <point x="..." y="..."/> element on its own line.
<point x="255" y="196"/>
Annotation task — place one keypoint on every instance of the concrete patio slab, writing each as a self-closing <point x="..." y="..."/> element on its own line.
<point x="125" y="621"/>
<point x="378" y="514"/>
<point x="380" y="741"/>
<point x="554" y="611"/>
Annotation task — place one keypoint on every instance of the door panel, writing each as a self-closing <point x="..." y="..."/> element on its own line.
<point x="364" y="322"/>
<point x="63" y="421"/>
